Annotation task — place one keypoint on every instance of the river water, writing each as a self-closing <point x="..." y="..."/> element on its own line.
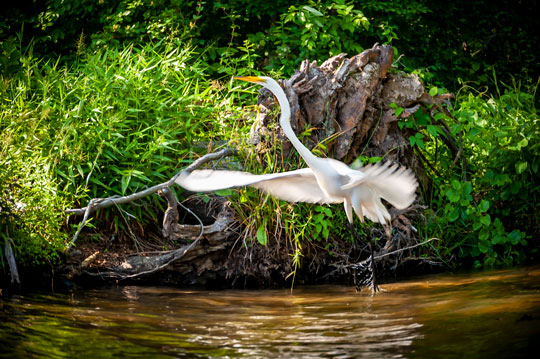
<point x="493" y="314"/>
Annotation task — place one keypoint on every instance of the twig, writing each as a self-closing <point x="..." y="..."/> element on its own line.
<point x="98" y="203"/>
<point x="113" y="200"/>
<point x="362" y="263"/>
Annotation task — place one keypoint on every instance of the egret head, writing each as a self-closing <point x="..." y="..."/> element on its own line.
<point x="265" y="81"/>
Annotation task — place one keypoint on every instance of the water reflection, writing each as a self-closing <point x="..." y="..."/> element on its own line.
<point x="468" y="315"/>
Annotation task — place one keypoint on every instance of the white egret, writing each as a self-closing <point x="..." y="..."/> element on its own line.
<point x="325" y="181"/>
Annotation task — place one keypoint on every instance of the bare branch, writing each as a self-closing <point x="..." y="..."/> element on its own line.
<point x="98" y="203"/>
<point x="114" y="200"/>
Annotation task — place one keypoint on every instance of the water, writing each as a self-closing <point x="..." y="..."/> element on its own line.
<point x="475" y="315"/>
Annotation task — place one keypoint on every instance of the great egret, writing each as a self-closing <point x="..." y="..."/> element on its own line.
<point x="325" y="181"/>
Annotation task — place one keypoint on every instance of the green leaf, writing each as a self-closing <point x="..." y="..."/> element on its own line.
<point x="521" y="167"/>
<point x="484" y="246"/>
<point x="454" y="215"/>
<point x="432" y="129"/>
<point x="485" y="220"/>
<point x="484" y="235"/>
<point x="484" y="205"/>
<point x="498" y="239"/>
<point x="523" y="143"/>
<point x="261" y="234"/>
<point x="433" y="91"/>
<point x="452" y="195"/>
<point x="313" y="11"/>
<point x="398" y="111"/>
<point x="224" y="192"/>
<point x="514" y="236"/>
<point x="535" y="167"/>
<point x="326" y="233"/>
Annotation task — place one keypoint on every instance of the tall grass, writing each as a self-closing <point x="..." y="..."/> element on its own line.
<point x="113" y="123"/>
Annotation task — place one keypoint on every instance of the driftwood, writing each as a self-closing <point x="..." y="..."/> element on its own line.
<point x="345" y="104"/>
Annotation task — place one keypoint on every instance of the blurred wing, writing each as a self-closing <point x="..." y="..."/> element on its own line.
<point x="395" y="184"/>
<point x="293" y="186"/>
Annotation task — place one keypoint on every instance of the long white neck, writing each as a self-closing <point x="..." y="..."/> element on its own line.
<point x="285" y="122"/>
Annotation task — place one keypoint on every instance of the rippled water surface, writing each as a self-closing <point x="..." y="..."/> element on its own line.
<point x="481" y="315"/>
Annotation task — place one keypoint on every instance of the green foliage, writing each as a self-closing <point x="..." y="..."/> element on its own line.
<point x="116" y="123"/>
<point x="31" y="212"/>
<point x="314" y="31"/>
<point x="107" y="97"/>
<point x="484" y="210"/>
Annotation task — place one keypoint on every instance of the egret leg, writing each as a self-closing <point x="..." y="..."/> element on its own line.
<point x="367" y="280"/>
<point x="374" y="285"/>
<point x="354" y="254"/>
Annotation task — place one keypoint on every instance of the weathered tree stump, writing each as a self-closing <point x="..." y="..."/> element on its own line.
<point x="346" y="104"/>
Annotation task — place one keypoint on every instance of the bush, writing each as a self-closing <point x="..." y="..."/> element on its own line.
<point x="485" y="210"/>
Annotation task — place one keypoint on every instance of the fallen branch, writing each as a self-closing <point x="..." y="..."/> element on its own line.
<point x="99" y="203"/>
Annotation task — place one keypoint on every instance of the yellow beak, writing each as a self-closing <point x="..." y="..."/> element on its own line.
<point x="254" y="79"/>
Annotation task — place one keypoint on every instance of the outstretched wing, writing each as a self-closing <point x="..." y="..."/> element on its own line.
<point x="293" y="186"/>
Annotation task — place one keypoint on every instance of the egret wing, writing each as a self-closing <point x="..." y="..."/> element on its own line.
<point x="293" y="186"/>
<point x="395" y="184"/>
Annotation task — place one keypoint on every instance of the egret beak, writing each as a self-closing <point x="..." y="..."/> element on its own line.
<point x="253" y="79"/>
